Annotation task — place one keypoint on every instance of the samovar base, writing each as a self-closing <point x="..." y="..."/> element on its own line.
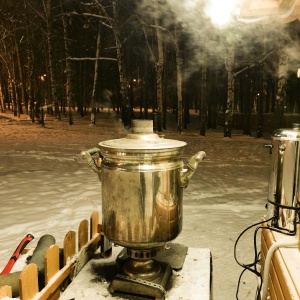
<point x="156" y="288"/>
<point x="141" y="275"/>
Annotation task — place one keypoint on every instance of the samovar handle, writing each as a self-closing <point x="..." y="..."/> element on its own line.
<point x="91" y="161"/>
<point x="192" y="165"/>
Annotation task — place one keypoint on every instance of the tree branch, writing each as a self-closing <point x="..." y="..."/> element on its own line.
<point x="254" y="64"/>
<point x="92" y="58"/>
<point x="93" y="16"/>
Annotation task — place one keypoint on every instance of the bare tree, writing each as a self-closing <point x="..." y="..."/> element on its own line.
<point x="109" y="17"/>
<point x="69" y="66"/>
<point x="51" y="12"/>
<point x="20" y="76"/>
<point x="203" y="100"/>
<point x="229" y="64"/>
<point x="179" y="63"/>
<point x="10" y="54"/>
<point x="2" y="104"/>
<point x="96" y="72"/>
<point x="159" y="66"/>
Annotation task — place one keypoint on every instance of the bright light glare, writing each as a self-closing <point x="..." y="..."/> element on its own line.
<point x="190" y="4"/>
<point x="220" y="11"/>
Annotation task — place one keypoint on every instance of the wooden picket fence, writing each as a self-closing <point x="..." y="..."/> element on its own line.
<point x="56" y="278"/>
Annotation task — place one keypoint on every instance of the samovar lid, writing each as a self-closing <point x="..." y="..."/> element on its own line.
<point x="142" y="137"/>
<point x="292" y="134"/>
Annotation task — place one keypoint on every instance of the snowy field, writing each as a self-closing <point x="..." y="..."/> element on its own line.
<point x="46" y="188"/>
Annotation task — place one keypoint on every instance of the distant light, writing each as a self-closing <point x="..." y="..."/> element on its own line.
<point x="221" y="12"/>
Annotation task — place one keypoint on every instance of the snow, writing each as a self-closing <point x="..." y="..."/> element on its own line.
<point x="46" y="188"/>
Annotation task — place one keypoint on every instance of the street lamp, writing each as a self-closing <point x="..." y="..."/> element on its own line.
<point x="221" y="12"/>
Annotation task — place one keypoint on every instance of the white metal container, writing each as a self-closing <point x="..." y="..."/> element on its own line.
<point x="284" y="185"/>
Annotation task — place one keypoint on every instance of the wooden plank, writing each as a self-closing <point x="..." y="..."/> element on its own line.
<point x="51" y="268"/>
<point x="51" y="262"/>
<point x="69" y="246"/>
<point x="273" y="278"/>
<point x="268" y="237"/>
<point x="284" y="278"/>
<point x="274" y="287"/>
<point x="85" y="255"/>
<point x="291" y="261"/>
<point x="69" y="252"/>
<point x="83" y="234"/>
<point x="94" y="221"/>
<point x="29" y="282"/>
<point x="275" y="271"/>
<point x="5" y="291"/>
<point x="276" y="282"/>
<point x="271" y="289"/>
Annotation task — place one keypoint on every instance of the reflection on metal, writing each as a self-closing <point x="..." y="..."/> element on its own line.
<point x="142" y="178"/>
<point x="284" y="185"/>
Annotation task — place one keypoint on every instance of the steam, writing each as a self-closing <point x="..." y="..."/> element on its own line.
<point x="201" y="34"/>
<point x="210" y="24"/>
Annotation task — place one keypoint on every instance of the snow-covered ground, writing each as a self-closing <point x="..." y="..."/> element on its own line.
<point x="46" y="188"/>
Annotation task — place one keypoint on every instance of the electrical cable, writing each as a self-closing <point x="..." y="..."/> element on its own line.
<point x="245" y="266"/>
<point x="252" y="266"/>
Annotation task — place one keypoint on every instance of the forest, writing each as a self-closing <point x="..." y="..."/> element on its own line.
<point x="145" y="59"/>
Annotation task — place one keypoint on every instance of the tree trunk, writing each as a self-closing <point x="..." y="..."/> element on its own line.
<point x="126" y="113"/>
<point x="159" y="76"/>
<point x="261" y="93"/>
<point x="17" y="99"/>
<point x="12" y="92"/>
<point x="96" y="72"/>
<point x="146" y="87"/>
<point x="245" y="87"/>
<point x="260" y="102"/>
<point x="2" y="104"/>
<point x="281" y="87"/>
<point x="186" y="103"/>
<point x="212" y="83"/>
<point x="49" y="8"/>
<point x="229" y="64"/>
<point x="31" y="66"/>
<point x="179" y="81"/>
<point x="21" y="79"/>
<point x="69" y="67"/>
<point x="203" y="107"/>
